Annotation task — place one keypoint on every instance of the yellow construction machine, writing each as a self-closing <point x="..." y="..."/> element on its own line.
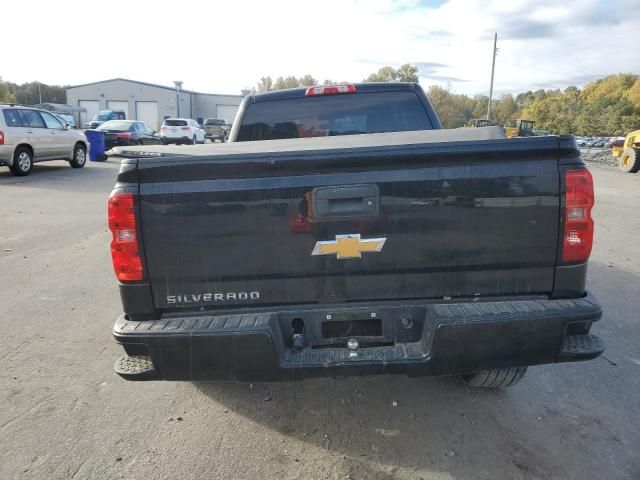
<point x="478" y="122"/>
<point x="519" y="128"/>
<point x="629" y="153"/>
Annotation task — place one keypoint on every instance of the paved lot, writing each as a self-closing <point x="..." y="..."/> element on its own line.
<point x="64" y="414"/>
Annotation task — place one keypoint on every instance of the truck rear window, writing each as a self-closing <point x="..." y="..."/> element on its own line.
<point x="323" y="116"/>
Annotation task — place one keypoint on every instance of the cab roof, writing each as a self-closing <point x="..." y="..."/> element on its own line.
<point x="367" y="87"/>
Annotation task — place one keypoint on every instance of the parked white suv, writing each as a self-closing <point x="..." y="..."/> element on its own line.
<point x="29" y="135"/>
<point x="181" y="130"/>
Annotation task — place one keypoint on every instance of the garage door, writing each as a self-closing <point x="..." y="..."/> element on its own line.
<point x="147" y="112"/>
<point x="92" y="106"/>
<point x="119" y="105"/>
<point x="227" y="112"/>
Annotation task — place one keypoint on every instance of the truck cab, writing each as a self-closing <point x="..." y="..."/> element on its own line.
<point x="216" y="129"/>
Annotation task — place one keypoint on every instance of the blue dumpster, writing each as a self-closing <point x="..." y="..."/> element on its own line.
<point x="96" y="145"/>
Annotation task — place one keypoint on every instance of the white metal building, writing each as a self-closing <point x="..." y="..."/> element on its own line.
<point x="149" y="102"/>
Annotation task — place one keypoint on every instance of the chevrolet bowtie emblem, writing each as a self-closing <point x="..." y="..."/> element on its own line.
<point x="349" y="246"/>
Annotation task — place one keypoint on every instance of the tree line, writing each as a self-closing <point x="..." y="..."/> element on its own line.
<point x="406" y="73"/>
<point x="31" y="92"/>
<point x="608" y="106"/>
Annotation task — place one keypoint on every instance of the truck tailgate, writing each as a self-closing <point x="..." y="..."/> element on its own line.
<point x="457" y="219"/>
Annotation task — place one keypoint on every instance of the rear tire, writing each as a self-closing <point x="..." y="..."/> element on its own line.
<point x="629" y="161"/>
<point x="164" y="141"/>
<point x="22" y="162"/>
<point x="79" y="157"/>
<point x="194" y="140"/>
<point x="497" y="378"/>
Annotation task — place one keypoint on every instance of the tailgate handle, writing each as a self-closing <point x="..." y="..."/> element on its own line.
<point x="345" y="202"/>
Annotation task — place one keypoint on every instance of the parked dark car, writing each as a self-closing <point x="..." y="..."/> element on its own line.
<point x="596" y="142"/>
<point x="614" y="142"/>
<point x="128" y="132"/>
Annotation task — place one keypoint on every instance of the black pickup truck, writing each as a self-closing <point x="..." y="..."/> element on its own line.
<point x="343" y="232"/>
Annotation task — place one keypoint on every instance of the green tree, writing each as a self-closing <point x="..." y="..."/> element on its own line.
<point x="29" y="93"/>
<point x="5" y="94"/>
<point x="385" y="74"/>
<point x="307" y="81"/>
<point x="454" y="110"/>
<point x="609" y="107"/>
<point x="506" y="109"/>
<point x="524" y="99"/>
<point x="286" y="82"/>
<point x="480" y="103"/>
<point x="406" y="73"/>
<point x="267" y="84"/>
<point x="633" y="94"/>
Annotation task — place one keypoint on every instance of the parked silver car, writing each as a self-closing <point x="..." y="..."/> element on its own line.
<point x="29" y="135"/>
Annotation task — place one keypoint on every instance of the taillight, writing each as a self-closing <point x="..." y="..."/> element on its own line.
<point x="577" y="238"/>
<point x="330" y="90"/>
<point x="126" y="135"/>
<point x="186" y="128"/>
<point x="124" y="245"/>
<point x="1" y="137"/>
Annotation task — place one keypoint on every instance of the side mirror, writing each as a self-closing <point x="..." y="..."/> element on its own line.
<point x="66" y="126"/>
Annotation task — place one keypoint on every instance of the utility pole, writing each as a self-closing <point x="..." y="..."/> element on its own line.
<point x="493" y="67"/>
<point x="178" y="85"/>
<point x="40" y="93"/>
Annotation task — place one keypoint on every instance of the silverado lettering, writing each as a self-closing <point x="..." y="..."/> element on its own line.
<point x="361" y="238"/>
<point x="212" y="297"/>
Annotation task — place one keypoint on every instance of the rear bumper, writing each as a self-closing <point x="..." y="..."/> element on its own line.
<point x="6" y="155"/>
<point x="109" y="144"/>
<point x="177" y="139"/>
<point x="443" y="339"/>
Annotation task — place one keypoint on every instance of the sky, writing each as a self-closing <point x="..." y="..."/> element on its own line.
<point x="225" y="46"/>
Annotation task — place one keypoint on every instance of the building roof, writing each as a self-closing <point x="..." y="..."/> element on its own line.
<point x="150" y="85"/>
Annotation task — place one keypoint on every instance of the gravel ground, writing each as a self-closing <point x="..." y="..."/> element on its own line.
<point x="65" y="414"/>
<point x="599" y="156"/>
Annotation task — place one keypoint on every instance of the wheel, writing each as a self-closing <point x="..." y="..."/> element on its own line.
<point x="194" y="140"/>
<point x="497" y="378"/>
<point x="22" y="162"/>
<point x="629" y="161"/>
<point x="140" y="142"/>
<point x="79" y="156"/>
<point x="164" y="141"/>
